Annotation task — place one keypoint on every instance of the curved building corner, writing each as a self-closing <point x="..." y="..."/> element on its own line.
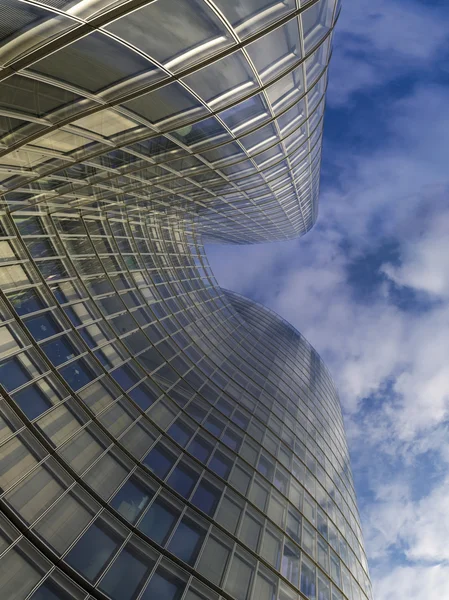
<point x="162" y="438"/>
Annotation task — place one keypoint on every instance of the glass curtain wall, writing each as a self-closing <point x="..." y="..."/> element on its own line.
<point x="161" y="438"/>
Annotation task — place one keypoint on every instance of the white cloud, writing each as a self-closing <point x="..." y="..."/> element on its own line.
<point x="376" y="42"/>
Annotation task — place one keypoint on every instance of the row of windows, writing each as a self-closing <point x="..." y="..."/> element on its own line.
<point x="50" y="330"/>
<point x="122" y="375"/>
<point x="175" y="107"/>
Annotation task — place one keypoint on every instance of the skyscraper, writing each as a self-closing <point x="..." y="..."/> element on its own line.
<point x="162" y="438"/>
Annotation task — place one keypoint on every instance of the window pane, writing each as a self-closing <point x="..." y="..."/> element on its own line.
<point x="229" y="513"/>
<point x="159" y="521"/>
<point x="308" y="584"/>
<point x="213" y="560"/>
<point x="183" y="480"/>
<point x="131" y="500"/>
<point x="206" y="497"/>
<point x="177" y="33"/>
<point x="160" y="460"/>
<point x="290" y="563"/>
<point x="93" y="63"/>
<point x="239" y="578"/>
<point x="164" y="585"/>
<point x="63" y="523"/>
<point x="93" y="551"/>
<point x="26" y="301"/>
<point x="17" y="575"/>
<point x="250" y="532"/>
<point x="127" y="574"/>
<point x="200" y="448"/>
<point x="221" y="464"/>
<point x="187" y="541"/>
<point x="77" y="374"/>
<point x="32" y="401"/>
<point x="180" y="433"/>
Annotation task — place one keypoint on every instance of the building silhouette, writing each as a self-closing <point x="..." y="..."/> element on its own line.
<point x="162" y="438"/>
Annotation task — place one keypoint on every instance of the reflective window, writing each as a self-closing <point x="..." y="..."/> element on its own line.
<point x="93" y="551"/>
<point x="187" y="540"/>
<point x="308" y="576"/>
<point x="127" y="574"/>
<point x="200" y="448"/>
<point x="131" y="500"/>
<point x="239" y="577"/>
<point x="60" y="350"/>
<point x="159" y="520"/>
<point x="164" y="584"/>
<point x="206" y="497"/>
<point x="43" y="326"/>
<point x="32" y="401"/>
<point x="93" y="63"/>
<point x="247" y="17"/>
<point x="183" y="479"/>
<point x="221" y="464"/>
<point x="77" y="374"/>
<point x="160" y="460"/>
<point x="177" y="33"/>
<point x="27" y="301"/>
<point x="13" y="373"/>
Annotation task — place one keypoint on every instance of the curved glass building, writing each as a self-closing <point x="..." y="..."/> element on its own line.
<point x="162" y="438"/>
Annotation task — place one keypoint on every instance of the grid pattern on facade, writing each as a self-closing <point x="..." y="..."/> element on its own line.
<point x="213" y="108"/>
<point x="161" y="438"/>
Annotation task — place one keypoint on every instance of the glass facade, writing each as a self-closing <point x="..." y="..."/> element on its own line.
<point x="162" y="438"/>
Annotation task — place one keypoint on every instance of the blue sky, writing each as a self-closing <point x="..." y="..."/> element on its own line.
<point x="369" y="285"/>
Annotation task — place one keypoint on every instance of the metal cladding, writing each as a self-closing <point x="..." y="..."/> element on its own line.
<point x="162" y="438"/>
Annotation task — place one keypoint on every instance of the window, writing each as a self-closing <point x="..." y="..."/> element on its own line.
<point x="308" y="574"/>
<point x="183" y="479"/>
<point x="26" y="301"/>
<point x="229" y="513"/>
<point x="265" y="587"/>
<point x="32" y="401"/>
<point x="239" y="578"/>
<point x="131" y="500"/>
<point x="43" y="326"/>
<point x="290" y="563"/>
<point x="180" y="432"/>
<point x="271" y="547"/>
<point x="64" y="522"/>
<point x="160" y="460"/>
<point x="206" y="497"/>
<point x="13" y="374"/>
<point x="187" y="540"/>
<point x="324" y="588"/>
<point x="50" y="591"/>
<point x="144" y="396"/>
<point x="18" y="575"/>
<point x="32" y="496"/>
<point x="250" y="531"/>
<point x="308" y="539"/>
<point x="294" y="525"/>
<point x="93" y="551"/>
<point x="200" y="448"/>
<point x="323" y="554"/>
<point x="164" y="585"/>
<point x="77" y="374"/>
<point x="214" y="559"/>
<point x="159" y="521"/>
<point x="221" y="464"/>
<point x="60" y="350"/>
<point x="127" y="574"/>
<point x="93" y="63"/>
